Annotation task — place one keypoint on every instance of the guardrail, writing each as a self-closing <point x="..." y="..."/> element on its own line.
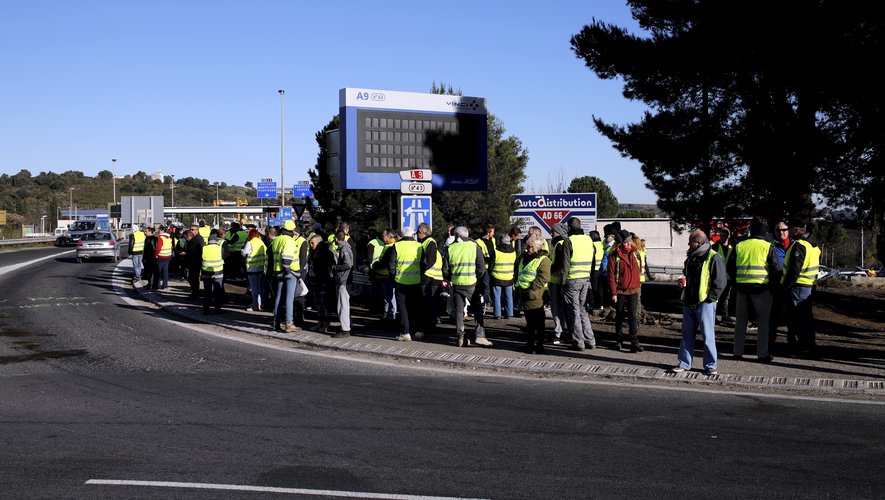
<point x="25" y="241"/>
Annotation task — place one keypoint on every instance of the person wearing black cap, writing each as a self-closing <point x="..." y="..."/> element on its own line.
<point x="623" y="281"/>
<point x="754" y="265"/>
<point x="801" y="266"/>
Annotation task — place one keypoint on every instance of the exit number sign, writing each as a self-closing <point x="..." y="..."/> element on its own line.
<point x="418" y="174"/>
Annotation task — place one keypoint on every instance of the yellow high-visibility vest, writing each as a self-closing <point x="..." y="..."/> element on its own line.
<point x="212" y="261"/>
<point x="462" y="261"/>
<point x="582" y="256"/>
<point x="138" y="245"/>
<point x="751" y="256"/>
<point x="408" y="262"/>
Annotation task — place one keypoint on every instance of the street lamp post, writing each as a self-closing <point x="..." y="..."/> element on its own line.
<point x="43" y="224"/>
<point x="71" y="204"/>
<point x="282" y="150"/>
<point x="114" y="177"/>
<point x="217" y="199"/>
<point x="172" y="177"/>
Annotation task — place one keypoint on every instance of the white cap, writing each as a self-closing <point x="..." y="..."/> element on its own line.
<point x="135" y="227"/>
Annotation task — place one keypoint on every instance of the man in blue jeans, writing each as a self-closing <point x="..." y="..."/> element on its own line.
<point x="705" y="280"/>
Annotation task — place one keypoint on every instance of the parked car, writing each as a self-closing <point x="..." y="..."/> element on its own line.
<point x="848" y="273"/>
<point x="101" y="244"/>
<point x="81" y="227"/>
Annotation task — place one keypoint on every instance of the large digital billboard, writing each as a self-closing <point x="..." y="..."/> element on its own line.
<point x="384" y="132"/>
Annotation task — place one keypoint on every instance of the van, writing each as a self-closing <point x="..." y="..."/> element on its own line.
<point x="81" y="227"/>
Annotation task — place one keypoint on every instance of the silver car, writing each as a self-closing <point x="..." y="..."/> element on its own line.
<point x="98" y="245"/>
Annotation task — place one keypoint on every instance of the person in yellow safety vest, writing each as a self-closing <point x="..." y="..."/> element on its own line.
<point x="801" y="267"/>
<point x="236" y="238"/>
<point x="466" y="269"/>
<point x="535" y="231"/>
<point x="596" y="283"/>
<point x="255" y="254"/>
<point x="286" y="271"/>
<point x="502" y="278"/>
<point x="385" y="279"/>
<point x="374" y="249"/>
<point x="725" y="248"/>
<point x="554" y="285"/>
<point x="164" y="256"/>
<point x="755" y="262"/>
<point x="204" y="231"/>
<point x="432" y="264"/>
<point x="487" y="247"/>
<point x="212" y="272"/>
<point x="345" y="228"/>
<point x="705" y="282"/>
<point x="577" y="264"/>
<point x="403" y="262"/>
<point x="136" y="251"/>
<point x="644" y="274"/>
<point x="532" y="276"/>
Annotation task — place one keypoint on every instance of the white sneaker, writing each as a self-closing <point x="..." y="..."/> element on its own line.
<point x="404" y="338"/>
<point x="483" y="342"/>
<point x="677" y="369"/>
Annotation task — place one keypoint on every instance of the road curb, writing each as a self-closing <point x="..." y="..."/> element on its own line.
<point x="425" y="353"/>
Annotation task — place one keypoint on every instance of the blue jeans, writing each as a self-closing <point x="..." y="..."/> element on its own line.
<point x="255" y="282"/>
<point x="507" y="300"/>
<point x="388" y="299"/>
<point x="285" y="287"/>
<point x="702" y="318"/>
<point x="136" y="265"/>
<point x="574" y="298"/>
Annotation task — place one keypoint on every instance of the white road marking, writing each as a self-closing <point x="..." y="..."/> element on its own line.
<point x="16" y="267"/>
<point x="267" y="489"/>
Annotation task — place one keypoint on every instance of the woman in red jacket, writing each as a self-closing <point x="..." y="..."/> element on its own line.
<point x="623" y="280"/>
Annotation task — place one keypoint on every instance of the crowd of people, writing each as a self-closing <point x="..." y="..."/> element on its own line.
<point x="771" y="277"/>
<point x="503" y="276"/>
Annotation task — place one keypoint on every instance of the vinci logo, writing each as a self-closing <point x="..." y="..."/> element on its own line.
<point x="472" y="105"/>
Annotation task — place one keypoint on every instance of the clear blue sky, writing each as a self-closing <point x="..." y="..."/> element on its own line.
<point x="190" y="87"/>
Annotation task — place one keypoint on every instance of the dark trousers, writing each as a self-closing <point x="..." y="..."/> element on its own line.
<point x="722" y="306"/>
<point x="149" y="273"/>
<point x="626" y="309"/>
<point x="778" y="314"/>
<point x="193" y="279"/>
<point x="163" y="272"/>
<point x="594" y="299"/>
<point x="212" y="293"/>
<point x="407" y="299"/>
<point x="535" y="320"/>
<point x="323" y="300"/>
<point x="428" y="301"/>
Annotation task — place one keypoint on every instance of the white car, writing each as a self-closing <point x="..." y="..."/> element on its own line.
<point x="100" y="244"/>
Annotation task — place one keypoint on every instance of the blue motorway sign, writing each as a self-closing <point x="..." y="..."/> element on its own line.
<point x="285" y="213"/>
<point x="414" y="210"/>
<point x="267" y="190"/>
<point x="302" y="190"/>
<point x="545" y="210"/>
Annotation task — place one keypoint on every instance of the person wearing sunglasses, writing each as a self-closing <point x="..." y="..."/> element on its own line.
<point x="782" y="242"/>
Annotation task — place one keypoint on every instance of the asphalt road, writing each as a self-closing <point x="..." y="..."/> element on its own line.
<point x="95" y="388"/>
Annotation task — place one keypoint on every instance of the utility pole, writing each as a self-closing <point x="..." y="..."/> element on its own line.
<point x="282" y="150"/>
